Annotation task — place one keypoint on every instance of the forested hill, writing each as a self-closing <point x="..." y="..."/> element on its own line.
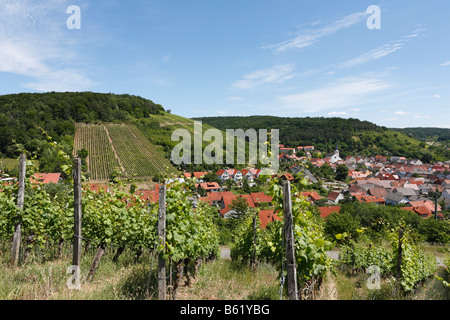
<point x="354" y="137"/>
<point x="22" y="114"/>
<point x="432" y="135"/>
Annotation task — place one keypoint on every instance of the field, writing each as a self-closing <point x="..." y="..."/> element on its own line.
<point x="119" y="148"/>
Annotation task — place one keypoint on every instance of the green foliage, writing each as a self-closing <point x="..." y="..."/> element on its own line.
<point x="354" y="136"/>
<point x="436" y="231"/>
<point x="310" y="246"/>
<point x="22" y="114"/>
<point x="416" y="266"/>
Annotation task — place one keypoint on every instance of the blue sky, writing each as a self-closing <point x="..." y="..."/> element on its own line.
<point x="213" y="58"/>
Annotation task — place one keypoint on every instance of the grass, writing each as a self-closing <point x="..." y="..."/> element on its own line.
<point x="44" y="277"/>
<point x="227" y="280"/>
<point x="354" y="287"/>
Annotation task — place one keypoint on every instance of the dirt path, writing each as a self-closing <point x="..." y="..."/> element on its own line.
<point x="114" y="150"/>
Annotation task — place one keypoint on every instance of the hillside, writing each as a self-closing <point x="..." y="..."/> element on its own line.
<point x="119" y="149"/>
<point x="61" y="115"/>
<point x="436" y="136"/>
<point x="352" y="135"/>
<point x="106" y="125"/>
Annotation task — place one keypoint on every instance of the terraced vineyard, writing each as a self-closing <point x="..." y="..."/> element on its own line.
<point x="122" y="148"/>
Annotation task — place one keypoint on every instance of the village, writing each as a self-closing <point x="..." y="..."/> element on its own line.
<point x="396" y="181"/>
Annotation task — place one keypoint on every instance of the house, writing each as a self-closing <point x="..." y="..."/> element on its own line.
<point x="326" y="211"/>
<point x="335" y="196"/>
<point x="261" y="197"/>
<point x="423" y="211"/>
<point x="398" y="159"/>
<point x="223" y="174"/>
<point x="250" y="174"/>
<point x="381" y="192"/>
<point x="369" y="199"/>
<point x="287" y="150"/>
<point x="311" y="196"/>
<point x="285" y="176"/>
<point x="381" y="159"/>
<point x="215" y="198"/>
<point x="407" y="192"/>
<point x="197" y="175"/>
<point x="45" y="178"/>
<point x="236" y="175"/>
<point x="430" y="205"/>
<point x="227" y="201"/>
<point x="396" y="199"/>
<point x="446" y="194"/>
<point x="266" y="217"/>
<point x="208" y="186"/>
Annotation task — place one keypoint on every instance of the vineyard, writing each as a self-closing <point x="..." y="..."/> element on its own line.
<point x="121" y="149"/>
<point x="111" y="220"/>
<point x="118" y="224"/>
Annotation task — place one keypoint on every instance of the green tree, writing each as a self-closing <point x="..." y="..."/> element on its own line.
<point x="341" y="172"/>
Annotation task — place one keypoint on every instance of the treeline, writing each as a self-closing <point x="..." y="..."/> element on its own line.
<point x="353" y="136"/>
<point x="441" y="135"/>
<point x="21" y="115"/>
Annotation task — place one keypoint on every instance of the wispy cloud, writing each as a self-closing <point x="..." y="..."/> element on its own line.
<point x="345" y="92"/>
<point x="337" y="114"/>
<point x="445" y="64"/>
<point x="382" y="51"/>
<point x="401" y="113"/>
<point x="276" y="74"/>
<point x="34" y="44"/>
<point x="309" y="37"/>
<point x="373" y="55"/>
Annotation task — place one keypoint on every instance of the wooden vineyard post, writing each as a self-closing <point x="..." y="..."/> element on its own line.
<point x="289" y="236"/>
<point x="399" y="259"/>
<point x="76" y="172"/>
<point x="253" y="261"/>
<point x="162" y="242"/>
<point x="20" y="200"/>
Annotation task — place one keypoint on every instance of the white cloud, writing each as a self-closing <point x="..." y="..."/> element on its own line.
<point x="337" y="114"/>
<point x="381" y="52"/>
<point x="373" y="55"/>
<point x="401" y="113"/>
<point x="343" y="93"/>
<point x="34" y="44"/>
<point x="355" y="109"/>
<point x="309" y="37"/>
<point x="445" y="64"/>
<point x="437" y="96"/>
<point x="276" y="74"/>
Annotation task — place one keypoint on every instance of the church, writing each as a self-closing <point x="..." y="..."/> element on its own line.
<point x="334" y="157"/>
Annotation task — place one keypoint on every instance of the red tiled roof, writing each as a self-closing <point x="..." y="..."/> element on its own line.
<point x="326" y="211"/>
<point x="45" y="178"/>
<point x="266" y="217"/>
<point x="228" y="200"/>
<point x="333" y="195"/>
<point x="208" y="185"/>
<point x="428" y="204"/>
<point x="261" y="197"/>
<point x="313" y="195"/>
<point x="369" y="199"/>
